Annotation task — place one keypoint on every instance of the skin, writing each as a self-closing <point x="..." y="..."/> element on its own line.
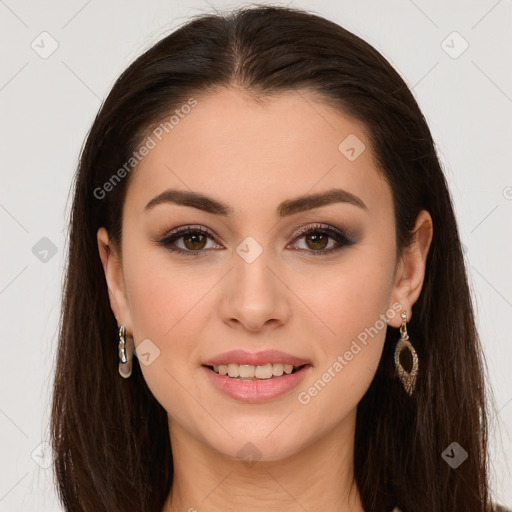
<point x="312" y="306"/>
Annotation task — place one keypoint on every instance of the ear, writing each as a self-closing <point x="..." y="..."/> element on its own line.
<point x="410" y="272"/>
<point x="113" y="270"/>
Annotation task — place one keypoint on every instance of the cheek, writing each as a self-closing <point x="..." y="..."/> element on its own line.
<point x="162" y="295"/>
<point x="351" y="298"/>
<point x="169" y="305"/>
<point x="347" y="359"/>
<point x="350" y="324"/>
<point x="166" y="309"/>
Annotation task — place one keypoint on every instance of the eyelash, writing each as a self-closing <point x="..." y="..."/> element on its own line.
<point x="338" y="236"/>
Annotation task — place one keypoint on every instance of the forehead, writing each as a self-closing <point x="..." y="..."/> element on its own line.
<point x="250" y="154"/>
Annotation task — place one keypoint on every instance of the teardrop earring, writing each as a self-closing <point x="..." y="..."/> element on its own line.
<point x="125" y="350"/>
<point x="408" y="379"/>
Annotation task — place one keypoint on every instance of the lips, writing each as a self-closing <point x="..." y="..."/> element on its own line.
<point x="256" y="390"/>
<point x="243" y="357"/>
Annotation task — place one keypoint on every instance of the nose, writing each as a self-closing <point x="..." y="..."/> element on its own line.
<point x="254" y="295"/>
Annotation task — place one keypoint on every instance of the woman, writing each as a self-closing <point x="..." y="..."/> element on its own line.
<point x="260" y="213"/>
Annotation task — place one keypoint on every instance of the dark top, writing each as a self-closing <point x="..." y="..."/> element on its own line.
<point x="498" y="508"/>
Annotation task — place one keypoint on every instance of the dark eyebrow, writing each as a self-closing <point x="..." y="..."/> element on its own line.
<point x="308" y="202"/>
<point x="286" y="208"/>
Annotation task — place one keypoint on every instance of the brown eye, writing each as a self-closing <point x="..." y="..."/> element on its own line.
<point x="317" y="240"/>
<point x="194" y="241"/>
<point x="188" y="240"/>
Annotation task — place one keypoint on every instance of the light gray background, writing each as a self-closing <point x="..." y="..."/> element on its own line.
<point x="48" y="105"/>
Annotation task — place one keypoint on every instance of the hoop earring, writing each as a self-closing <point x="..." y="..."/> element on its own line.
<point x="125" y="354"/>
<point x="408" y="379"/>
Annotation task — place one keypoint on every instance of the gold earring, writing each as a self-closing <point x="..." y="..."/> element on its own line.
<point x="125" y="354"/>
<point x="408" y="379"/>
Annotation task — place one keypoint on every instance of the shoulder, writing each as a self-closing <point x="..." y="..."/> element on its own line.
<point x="496" y="508"/>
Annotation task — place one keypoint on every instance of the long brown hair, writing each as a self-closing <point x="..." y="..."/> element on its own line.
<point x="110" y="435"/>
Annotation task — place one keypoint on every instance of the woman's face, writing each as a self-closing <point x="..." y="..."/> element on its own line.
<point x="254" y="282"/>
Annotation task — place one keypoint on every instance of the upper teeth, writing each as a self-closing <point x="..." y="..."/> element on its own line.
<point x="265" y="371"/>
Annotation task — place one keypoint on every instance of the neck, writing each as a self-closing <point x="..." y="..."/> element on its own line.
<point x="317" y="477"/>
